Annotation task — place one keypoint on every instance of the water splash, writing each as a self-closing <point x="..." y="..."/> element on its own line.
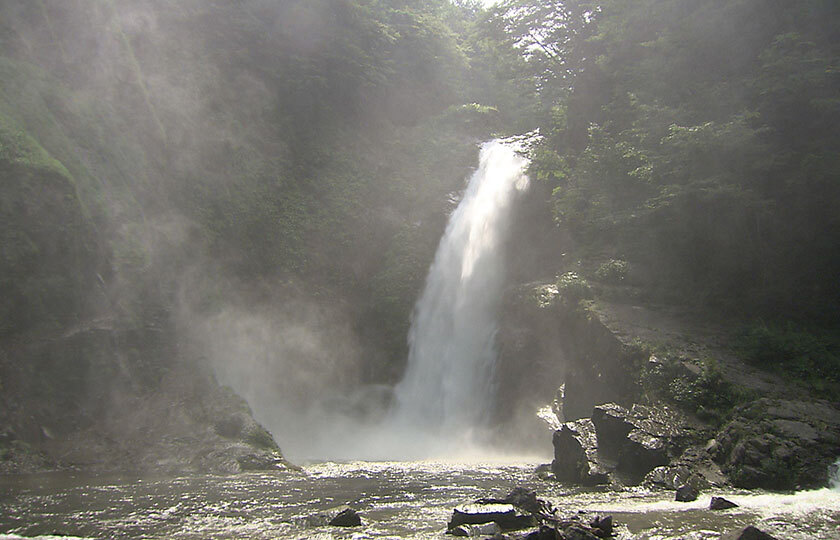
<point x="446" y="389"/>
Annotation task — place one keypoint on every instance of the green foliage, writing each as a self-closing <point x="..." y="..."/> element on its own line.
<point x="699" y="139"/>
<point x="812" y="358"/>
<point x="44" y="242"/>
<point x="697" y="389"/>
<point x="18" y="148"/>
<point x="612" y="271"/>
<point x="573" y="287"/>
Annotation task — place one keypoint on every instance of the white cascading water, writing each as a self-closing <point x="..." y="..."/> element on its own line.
<point x="446" y="390"/>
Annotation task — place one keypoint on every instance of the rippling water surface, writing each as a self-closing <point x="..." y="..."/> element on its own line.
<point x="396" y="500"/>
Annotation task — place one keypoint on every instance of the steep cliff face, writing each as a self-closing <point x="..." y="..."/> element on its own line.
<point x="80" y="385"/>
<point x="102" y="398"/>
<point x="546" y="342"/>
<point x="87" y="380"/>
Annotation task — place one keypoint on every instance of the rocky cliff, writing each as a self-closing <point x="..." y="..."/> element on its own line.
<point x="669" y="399"/>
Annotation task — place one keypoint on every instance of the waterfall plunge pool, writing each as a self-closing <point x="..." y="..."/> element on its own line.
<point x="395" y="500"/>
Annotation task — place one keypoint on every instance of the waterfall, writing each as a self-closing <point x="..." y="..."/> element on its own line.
<point x="447" y="388"/>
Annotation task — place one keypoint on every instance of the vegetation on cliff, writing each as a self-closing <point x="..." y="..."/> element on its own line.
<point x="164" y="161"/>
<point x="696" y="143"/>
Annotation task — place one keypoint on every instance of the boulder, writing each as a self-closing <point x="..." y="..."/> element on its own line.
<point x="719" y="503"/>
<point x="543" y="471"/>
<point x="507" y="516"/>
<point x="526" y="499"/>
<point x="779" y="444"/>
<point x="522" y="498"/>
<point x="339" y="516"/>
<point x="636" y="440"/>
<point x="748" y="533"/>
<point x="695" y="466"/>
<point x="576" y="457"/>
<point x="484" y="529"/>
<point x="686" y="493"/>
<point x="576" y="532"/>
<point x="347" y="517"/>
<point x="602" y="526"/>
<point x="544" y="533"/>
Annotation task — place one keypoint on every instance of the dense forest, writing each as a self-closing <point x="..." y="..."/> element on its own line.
<point x="261" y="184"/>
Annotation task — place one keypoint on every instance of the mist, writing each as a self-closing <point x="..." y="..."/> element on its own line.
<point x="241" y="235"/>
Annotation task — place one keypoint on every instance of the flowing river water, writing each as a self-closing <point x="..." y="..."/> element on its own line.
<point x="395" y="500"/>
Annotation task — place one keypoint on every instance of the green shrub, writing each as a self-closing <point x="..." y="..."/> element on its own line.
<point x="612" y="271"/>
<point x="573" y="287"/>
<point x="793" y="352"/>
<point x="706" y="394"/>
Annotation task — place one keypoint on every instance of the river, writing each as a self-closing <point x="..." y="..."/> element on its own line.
<point x="395" y="499"/>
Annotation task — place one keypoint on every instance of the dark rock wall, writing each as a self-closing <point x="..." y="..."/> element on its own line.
<point x="544" y="342"/>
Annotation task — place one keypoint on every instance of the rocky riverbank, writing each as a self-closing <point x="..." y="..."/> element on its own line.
<point x="89" y="400"/>
<point x="521" y="515"/>
<point x="650" y="394"/>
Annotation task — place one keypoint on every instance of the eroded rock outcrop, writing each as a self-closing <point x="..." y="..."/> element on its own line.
<point x="624" y="443"/>
<point x="576" y="457"/>
<point x="109" y="411"/>
<point x="779" y="444"/>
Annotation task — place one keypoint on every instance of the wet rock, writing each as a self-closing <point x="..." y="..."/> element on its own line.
<point x="636" y="440"/>
<point x="544" y="533"/>
<point x="230" y="426"/>
<point x="526" y="499"/>
<point x="576" y="457"/>
<point x="260" y="461"/>
<point x="668" y="477"/>
<point x="484" y="529"/>
<point x="779" y="444"/>
<point x="719" y="503"/>
<point x="686" y="493"/>
<point x="339" y="516"/>
<point x="748" y="533"/>
<point x="522" y="498"/>
<point x="576" y="532"/>
<point x="694" y="466"/>
<point x="543" y="471"/>
<point x="507" y="516"/>
<point x="347" y="517"/>
<point x="602" y="526"/>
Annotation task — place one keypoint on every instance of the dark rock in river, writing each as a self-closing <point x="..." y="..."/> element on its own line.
<point x="719" y="503"/>
<point x="748" y="533"/>
<point x="695" y="466"/>
<point x="525" y="499"/>
<point x="484" y="529"/>
<point x="686" y="493"/>
<point x="779" y="444"/>
<point x="602" y="525"/>
<point x="576" y="456"/>
<point x="543" y="471"/>
<point x="339" y="516"/>
<point x="636" y="440"/>
<point x="347" y="517"/>
<point x="576" y="532"/>
<point x="544" y="533"/>
<point x="507" y="516"/>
